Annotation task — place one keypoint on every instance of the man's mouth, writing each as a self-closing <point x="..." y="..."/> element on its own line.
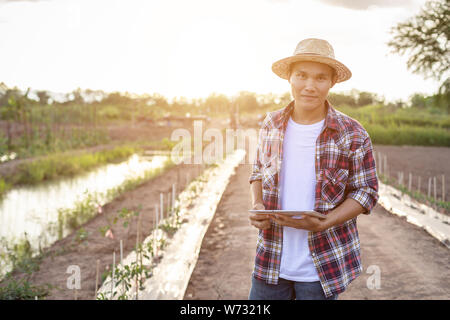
<point x="308" y="97"/>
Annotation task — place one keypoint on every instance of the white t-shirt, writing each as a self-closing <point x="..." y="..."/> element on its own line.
<point x="297" y="183"/>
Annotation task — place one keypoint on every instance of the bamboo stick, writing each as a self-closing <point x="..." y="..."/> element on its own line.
<point x="386" y="172"/>
<point x="409" y="181"/>
<point x="434" y="182"/>
<point x="121" y="251"/>
<point x="121" y="262"/>
<point x="418" y="188"/>
<point x="96" y="278"/>
<point x="169" y="205"/>
<point x="112" y="282"/>
<point x="380" y="167"/>
<point x="161" y="198"/>
<point x="443" y="188"/>
<point x="429" y="187"/>
<point x="138" y="254"/>
<point x="174" y="191"/>
<point x="155" y="244"/>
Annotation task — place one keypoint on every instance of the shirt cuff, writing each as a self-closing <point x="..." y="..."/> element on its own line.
<point x="254" y="177"/>
<point x="366" y="197"/>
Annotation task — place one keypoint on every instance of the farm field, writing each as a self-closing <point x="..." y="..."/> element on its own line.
<point x="412" y="263"/>
<point x="128" y="132"/>
<point x="230" y="242"/>
<point x="95" y="246"/>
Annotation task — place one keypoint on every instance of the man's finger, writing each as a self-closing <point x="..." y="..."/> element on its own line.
<point x="259" y="217"/>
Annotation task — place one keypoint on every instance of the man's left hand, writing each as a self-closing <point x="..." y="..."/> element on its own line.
<point x="308" y="222"/>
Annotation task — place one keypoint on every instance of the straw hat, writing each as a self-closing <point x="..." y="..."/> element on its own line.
<point x="317" y="50"/>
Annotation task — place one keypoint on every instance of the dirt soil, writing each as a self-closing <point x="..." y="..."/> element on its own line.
<point x="412" y="264"/>
<point x="63" y="253"/>
<point x="426" y="162"/>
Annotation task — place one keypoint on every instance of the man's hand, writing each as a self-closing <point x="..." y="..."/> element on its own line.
<point x="308" y="222"/>
<point x="260" y="221"/>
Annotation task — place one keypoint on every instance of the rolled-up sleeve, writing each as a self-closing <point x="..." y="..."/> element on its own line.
<point x="256" y="173"/>
<point x="363" y="180"/>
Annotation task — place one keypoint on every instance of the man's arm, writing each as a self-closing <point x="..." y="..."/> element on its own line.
<point x="363" y="180"/>
<point x="260" y="221"/>
<point x="256" y="192"/>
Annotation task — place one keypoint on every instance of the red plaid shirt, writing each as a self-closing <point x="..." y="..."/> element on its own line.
<point x="345" y="168"/>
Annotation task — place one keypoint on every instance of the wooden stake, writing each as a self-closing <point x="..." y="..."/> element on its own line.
<point x="169" y="205"/>
<point x="96" y="279"/>
<point x="386" y="172"/>
<point x="429" y="187"/>
<point x="121" y="262"/>
<point x="380" y="168"/>
<point x="418" y="188"/>
<point x="155" y="236"/>
<point x="138" y="253"/>
<point x="409" y="181"/>
<point x="113" y="270"/>
<point x="161" y="197"/>
<point x="434" y="181"/>
<point x="121" y="252"/>
<point x="174" y="191"/>
<point x="443" y="188"/>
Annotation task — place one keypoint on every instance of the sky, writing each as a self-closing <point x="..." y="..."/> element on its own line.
<point x="197" y="47"/>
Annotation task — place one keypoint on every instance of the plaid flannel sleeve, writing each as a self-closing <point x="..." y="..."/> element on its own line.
<point x="363" y="180"/>
<point x="256" y="173"/>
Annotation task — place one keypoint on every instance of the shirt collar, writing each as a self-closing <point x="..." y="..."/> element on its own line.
<point x="330" y="119"/>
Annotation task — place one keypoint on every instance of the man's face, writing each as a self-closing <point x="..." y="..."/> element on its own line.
<point x="310" y="82"/>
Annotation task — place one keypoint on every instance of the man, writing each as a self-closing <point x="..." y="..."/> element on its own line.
<point x="310" y="157"/>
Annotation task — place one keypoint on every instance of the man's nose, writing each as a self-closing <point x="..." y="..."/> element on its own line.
<point x="310" y="85"/>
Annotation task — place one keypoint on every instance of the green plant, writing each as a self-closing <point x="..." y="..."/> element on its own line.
<point x="21" y="289"/>
<point x="81" y="236"/>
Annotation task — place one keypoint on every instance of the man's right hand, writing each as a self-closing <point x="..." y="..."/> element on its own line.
<point x="260" y="221"/>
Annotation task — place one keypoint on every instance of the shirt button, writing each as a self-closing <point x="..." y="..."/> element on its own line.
<point x="334" y="180"/>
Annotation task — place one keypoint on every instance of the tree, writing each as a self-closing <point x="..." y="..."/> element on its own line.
<point x="426" y="36"/>
<point x="43" y="97"/>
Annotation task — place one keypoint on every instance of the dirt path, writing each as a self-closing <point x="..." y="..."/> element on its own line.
<point x="225" y="263"/>
<point x="413" y="265"/>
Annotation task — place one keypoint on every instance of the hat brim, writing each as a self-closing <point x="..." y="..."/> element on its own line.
<point x="281" y="67"/>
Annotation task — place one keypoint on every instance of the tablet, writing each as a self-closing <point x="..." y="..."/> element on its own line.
<point x="290" y="212"/>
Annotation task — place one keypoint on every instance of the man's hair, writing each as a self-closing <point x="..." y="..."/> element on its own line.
<point x="333" y="75"/>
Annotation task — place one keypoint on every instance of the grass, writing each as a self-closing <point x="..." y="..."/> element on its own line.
<point x="408" y="126"/>
<point x="60" y="165"/>
<point x="83" y="211"/>
<point x="21" y="255"/>
<point x="419" y="196"/>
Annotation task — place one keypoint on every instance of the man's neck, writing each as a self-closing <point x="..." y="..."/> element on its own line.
<point x="303" y="116"/>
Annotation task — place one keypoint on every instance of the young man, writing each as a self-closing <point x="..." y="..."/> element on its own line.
<point x="310" y="157"/>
